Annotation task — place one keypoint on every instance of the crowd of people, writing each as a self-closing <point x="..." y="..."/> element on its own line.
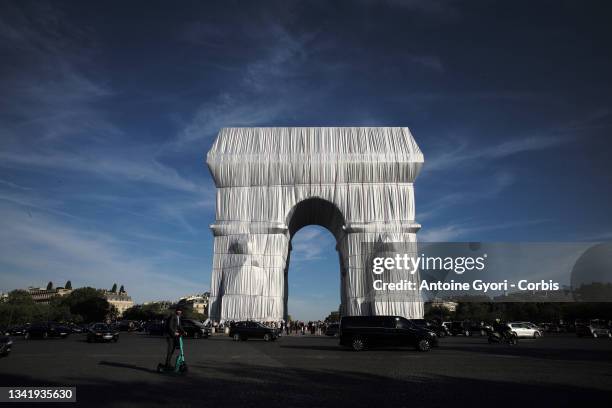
<point x="298" y="327"/>
<point x="288" y="328"/>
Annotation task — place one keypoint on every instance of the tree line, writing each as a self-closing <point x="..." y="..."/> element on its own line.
<point x="83" y="305"/>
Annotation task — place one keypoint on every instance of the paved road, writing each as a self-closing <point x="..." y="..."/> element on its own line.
<point x="559" y="370"/>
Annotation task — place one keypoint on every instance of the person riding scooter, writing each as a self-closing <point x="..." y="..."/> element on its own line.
<point x="174" y="330"/>
<point x="501" y="332"/>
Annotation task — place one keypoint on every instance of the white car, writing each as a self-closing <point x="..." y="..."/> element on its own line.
<point x="534" y="326"/>
<point x="521" y="329"/>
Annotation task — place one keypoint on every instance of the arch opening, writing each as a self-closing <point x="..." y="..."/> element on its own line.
<point x="314" y="211"/>
<point x="313" y="277"/>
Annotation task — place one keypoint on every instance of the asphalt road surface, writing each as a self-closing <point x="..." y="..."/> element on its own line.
<point x="309" y="371"/>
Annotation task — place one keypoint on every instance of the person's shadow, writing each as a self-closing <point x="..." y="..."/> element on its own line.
<point x="130" y="366"/>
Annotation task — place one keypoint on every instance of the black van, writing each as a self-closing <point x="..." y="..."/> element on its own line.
<point x="360" y="332"/>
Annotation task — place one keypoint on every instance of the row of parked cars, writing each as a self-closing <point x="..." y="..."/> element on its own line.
<point x="591" y="328"/>
<point x="45" y="330"/>
<point x="193" y="328"/>
<point x="94" y="331"/>
<point x="42" y="329"/>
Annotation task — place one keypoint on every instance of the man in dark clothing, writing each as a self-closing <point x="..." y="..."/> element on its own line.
<point x="173" y="331"/>
<point x="503" y="329"/>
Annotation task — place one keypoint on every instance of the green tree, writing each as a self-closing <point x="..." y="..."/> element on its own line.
<point x="20" y="297"/>
<point x="121" y="289"/>
<point x="114" y="288"/>
<point x="113" y="313"/>
<point x="59" y="311"/>
<point x="89" y="303"/>
<point x="20" y="308"/>
<point x="68" y="285"/>
<point x="49" y="285"/>
<point x="188" y="311"/>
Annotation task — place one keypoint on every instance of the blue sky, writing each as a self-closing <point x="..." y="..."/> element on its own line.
<point x="108" y="109"/>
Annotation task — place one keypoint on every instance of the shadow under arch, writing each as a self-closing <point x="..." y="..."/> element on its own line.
<point x="316" y="211"/>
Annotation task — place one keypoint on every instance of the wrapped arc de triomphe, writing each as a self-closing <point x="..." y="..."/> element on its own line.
<point x="355" y="181"/>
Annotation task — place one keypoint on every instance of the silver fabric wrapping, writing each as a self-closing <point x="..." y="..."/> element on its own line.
<point x="356" y="181"/>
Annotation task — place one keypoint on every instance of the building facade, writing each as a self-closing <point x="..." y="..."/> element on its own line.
<point x="121" y="300"/>
<point x="44" y="295"/>
<point x="199" y="303"/>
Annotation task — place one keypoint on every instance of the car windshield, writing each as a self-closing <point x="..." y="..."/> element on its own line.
<point x="101" y="327"/>
<point x="402" y="323"/>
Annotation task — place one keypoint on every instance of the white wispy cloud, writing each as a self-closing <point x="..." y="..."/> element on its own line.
<point x="14" y="185"/>
<point x="48" y="248"/>
<point x="455" y="231"/>
<point x="463" y="153"/>
<point x="51" y="115"/>
<point x="463" y="193"/>
<point x="310" y="244"/>
<point x="55" y="124"/>
<point x="227" y="110"/>
<point x="114" y="166"/>
<point x="262" y="89"/>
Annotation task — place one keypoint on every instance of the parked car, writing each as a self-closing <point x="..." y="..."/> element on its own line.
<point x="46" y="329"/>
<point x="5" y="345"/>
<point x="155" y="328"/>
<point x="195" y="329"/>
<point x="439" y="329"/>
<point x="332" y="329"/>
<point x="534" y="326"/>
<point x="16" y="330"/>
<point x="595" y="328"/>
<point x="520" y="329"/>
<point x="545" y="326"/>
<point x="102" y="332"/>
<point x="75" y="328"/>
<point x="247" y="330"/>
<point x="361" y="332"/>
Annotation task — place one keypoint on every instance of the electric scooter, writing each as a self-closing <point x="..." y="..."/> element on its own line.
<point x="180" y="367"/>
